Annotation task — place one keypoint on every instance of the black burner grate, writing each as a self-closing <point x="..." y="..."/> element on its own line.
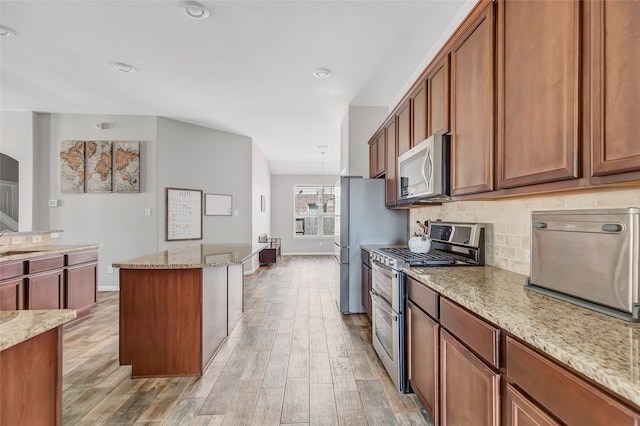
<point x="432" y="258"/>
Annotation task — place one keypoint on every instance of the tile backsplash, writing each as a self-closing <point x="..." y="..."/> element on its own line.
<point x="508" y="220"/>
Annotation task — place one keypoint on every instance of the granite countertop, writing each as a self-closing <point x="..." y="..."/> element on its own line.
<point x="603" y="348"/>
<point x="199" y="256"/>
<point x="25" y="253"/>
<point x="18" y="326"/>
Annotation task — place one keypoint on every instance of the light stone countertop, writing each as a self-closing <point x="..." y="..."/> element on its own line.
<point x="198" y="256"/>
<point x="18" y="326"/>
<point x="603" y="348"/>
<point x="38" y="251"/>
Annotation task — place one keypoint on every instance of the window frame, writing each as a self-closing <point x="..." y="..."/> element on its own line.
<point x="321" y="216"/>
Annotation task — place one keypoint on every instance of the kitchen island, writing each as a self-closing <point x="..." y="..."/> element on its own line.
<point x="31" y="366"/>
<point x="178" y="306"/>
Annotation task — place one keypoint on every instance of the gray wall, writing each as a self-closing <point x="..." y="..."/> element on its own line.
<point x="282" y="217"/>
<point x="116" y="221"/>
<point x="16" y="140"/>
<point x="261" y="223"/>
<point x="358" y="126"/>
<point x="216" y="162"/>
<point x="173" y="154"/>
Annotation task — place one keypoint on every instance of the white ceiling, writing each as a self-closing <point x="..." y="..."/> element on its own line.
<point x="247" y="69"/>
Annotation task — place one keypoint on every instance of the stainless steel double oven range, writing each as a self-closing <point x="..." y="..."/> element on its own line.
<point x="452" y="244"/>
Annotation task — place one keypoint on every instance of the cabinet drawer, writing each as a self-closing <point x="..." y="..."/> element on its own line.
<point x="478" y="335"/>
<point x="45" y="264"/>
<point x="423" y="297"/>
<point x="81" y="257"/>
<point x="569" y="398"/>
<point x="11" y="270"/>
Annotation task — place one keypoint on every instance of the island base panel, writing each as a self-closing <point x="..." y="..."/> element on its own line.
<point x="161" y="322"/>
<point x="31" y="381"/>
<point x="214" y="311"/>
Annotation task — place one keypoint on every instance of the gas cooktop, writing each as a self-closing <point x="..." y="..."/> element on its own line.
<point x="452" y="244"/>
<point x="432" y="258"/>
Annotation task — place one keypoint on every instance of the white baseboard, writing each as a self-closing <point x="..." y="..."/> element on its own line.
<point x="251" y="271"/>
<point x="109" y="288"/>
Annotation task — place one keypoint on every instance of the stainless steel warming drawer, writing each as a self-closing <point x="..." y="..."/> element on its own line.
<point x="588" y="257"/>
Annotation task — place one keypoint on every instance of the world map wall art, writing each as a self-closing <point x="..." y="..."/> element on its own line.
<point x="99" y="166"/>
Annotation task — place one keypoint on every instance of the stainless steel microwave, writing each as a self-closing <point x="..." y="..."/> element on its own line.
<point x="423" y="171"/>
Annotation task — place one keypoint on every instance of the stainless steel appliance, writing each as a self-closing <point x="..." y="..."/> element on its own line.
<point x="361" y="218"/>
<point x="452" y="244"/>
<point x="424" y="170"/>
<point x="588" y="257"/>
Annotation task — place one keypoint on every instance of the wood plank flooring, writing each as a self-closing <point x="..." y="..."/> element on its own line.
<point x="292" y="359"/>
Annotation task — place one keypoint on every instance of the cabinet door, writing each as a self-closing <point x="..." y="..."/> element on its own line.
<point x="423" y="334"/>
<point x="470" y="390"/>
<point x="365" y="281"/>
<point x="12" y="295"/>
<point x="538" y="91"/>
<point x="391" y="159"/>
<point x="522" y="412"/>
<point x="419" y="114"/>
<point x="472" y="105"/>
<point x="615" y="87"/>
<point x="438" y="95"/>
<point x="404" y="129"/>
<point x="81" y="287"/>
<point x="381" y="153"/>
<point x="373" y="158"/>
<point x="45" y="291"/>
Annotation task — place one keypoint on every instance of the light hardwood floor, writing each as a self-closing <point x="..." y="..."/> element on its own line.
<point x="292" y="359"/>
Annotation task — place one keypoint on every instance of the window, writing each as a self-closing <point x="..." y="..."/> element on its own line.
<point x="314" y="210"/>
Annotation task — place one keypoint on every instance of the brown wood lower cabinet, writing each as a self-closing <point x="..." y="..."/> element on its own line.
<point x="12" y="295"/>
<point x="467" y="371"/>
<point x="522" y="412"/>
<point x="80" y="288"/>
<point x="470" y="389"/>
<point x="31" y="381"/>
<point x="45" y="290"/>
<point x="365" y="279"/>
<point x="423" y="369"/>
<point x="563" y="394"/>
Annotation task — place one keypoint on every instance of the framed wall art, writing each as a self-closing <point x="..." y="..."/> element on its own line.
<point x="217" y="205"/>
<point x="184" y="214"/>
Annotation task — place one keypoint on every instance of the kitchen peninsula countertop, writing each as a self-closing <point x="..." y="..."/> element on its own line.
<point x="198" y="256"/>
<point x="18" y="326"/>
<point x="603" y="348"/>
<point x="26" y="253"/>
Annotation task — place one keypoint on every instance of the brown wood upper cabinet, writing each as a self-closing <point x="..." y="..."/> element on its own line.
<point x="377" y="155"/>
<point x="391" y="173"/>
<point x="538" y="91"/>
<point x="419" y="114"/>
<point x="438" y="98"/>
<point x="403" y="121"/>
<point x="615" y="91"/>
<point x="472" y="106"/>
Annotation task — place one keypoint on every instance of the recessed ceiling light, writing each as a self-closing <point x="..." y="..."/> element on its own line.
<point x="194" y="10"/>
<point x="322" y="72"/>
<point x="120" y="66"/>
<point x="6" y="32"/>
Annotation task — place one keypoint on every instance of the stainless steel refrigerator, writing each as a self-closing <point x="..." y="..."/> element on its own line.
<point x="361" y="218"/>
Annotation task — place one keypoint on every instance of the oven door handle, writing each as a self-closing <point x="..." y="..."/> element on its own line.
<point x="384" y="305"/>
